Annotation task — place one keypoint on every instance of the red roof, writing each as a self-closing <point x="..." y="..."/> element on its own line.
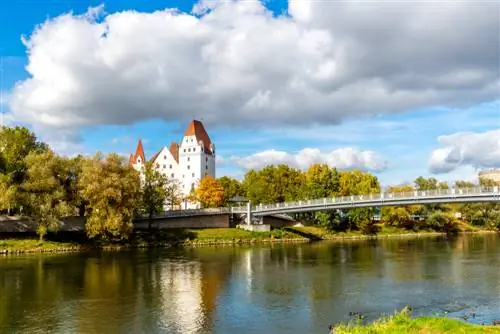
<point x="197" y="129"/>
<point x="174" y="149"/>
<point x="139" y="152"/>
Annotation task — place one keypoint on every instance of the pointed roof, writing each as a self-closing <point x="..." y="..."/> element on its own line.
<point x="174" y="149"/>
<point x="139" y="152"/>
<point x="196" y="128"/>
<point x="153" y="158"/>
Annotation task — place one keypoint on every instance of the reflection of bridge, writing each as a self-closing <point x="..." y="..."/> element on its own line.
<point x="454" y="195"/>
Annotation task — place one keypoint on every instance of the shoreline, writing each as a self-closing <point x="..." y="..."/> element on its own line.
<point x="52" y="247"/>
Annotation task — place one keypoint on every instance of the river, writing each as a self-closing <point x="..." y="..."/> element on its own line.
<point x="281" y="288"/>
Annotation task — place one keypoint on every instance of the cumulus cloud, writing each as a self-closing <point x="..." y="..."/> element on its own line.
<point x="343" y="159"/>
<point x="479" y="150"/>
<point x="235" y="61"/>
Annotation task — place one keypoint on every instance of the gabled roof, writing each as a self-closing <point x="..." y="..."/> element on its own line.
<point x="139" y="152"/>
<point x="174" y="150"/>
<point x="153" y="158"/>
<point x="196" y="129"/>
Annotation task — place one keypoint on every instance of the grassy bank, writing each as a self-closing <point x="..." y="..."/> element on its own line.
<point x="73" y="241"/>
<point x="403" y="323"/>
<point x="321" y="233"/>
<point x="65" y="242"/>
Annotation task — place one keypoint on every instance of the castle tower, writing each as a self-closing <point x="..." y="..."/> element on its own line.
<point x="138" y="159"/>
<point x="196" y="157"/>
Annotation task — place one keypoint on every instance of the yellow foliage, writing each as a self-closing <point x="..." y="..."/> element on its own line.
<point x="209" y="193"/>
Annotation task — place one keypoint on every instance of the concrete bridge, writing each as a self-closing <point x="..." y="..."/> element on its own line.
<point x="453" y="195"/>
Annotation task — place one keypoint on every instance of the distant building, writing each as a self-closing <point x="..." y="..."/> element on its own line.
<point x="187" y="162"/>
<point x="491" y="174"/>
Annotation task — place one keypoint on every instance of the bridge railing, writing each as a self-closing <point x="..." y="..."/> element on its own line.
<point x="189" y="212"/>
<point x="380" y="197"/>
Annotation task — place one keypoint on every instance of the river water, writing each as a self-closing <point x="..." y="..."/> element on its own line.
<point x="299" y="288"/>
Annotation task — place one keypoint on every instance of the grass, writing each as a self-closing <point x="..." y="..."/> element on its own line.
<point x="403" y="323"/>
<point x="157" y="238"/>
<point x="34" y="245"/>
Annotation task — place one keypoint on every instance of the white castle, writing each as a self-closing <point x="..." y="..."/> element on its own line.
<point x="187" y="162"/>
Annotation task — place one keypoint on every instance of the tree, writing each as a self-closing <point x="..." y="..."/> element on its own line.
<point x="112" y="189"/>
<point x="8" y="193"/>
<point x="359" y="183"/>
<point x="273" y="184"/>
<point x="153" y="191"/>
<point x="399" y="216"/>
<point x="15" y="145"/>
<point x="43" y="191"/>
<point x="173" y="194"/>
<point x="209" y="193"/>
<point x="232" y="188"/>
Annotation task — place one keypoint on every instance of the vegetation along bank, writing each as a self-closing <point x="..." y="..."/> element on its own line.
<point x="37" y="183"/>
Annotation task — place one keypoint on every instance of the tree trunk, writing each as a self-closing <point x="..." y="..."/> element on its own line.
<point x="40" y="238"/>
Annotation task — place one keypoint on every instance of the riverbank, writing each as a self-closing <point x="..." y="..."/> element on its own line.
<point x="402" y="322"/>
<point x="72" y="242"/>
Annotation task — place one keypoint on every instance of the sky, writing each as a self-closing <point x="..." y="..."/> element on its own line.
<point x="398" y="88"/>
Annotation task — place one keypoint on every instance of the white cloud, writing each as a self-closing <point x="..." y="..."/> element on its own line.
<point x="237" y="62"/>
<point x="479" y="150"/>
<point x="344" y="159"/>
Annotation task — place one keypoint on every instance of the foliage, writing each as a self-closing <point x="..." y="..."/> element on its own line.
<point x="153" y="190"/>
<point x="442" y="221"/>
<point x="44" y="190"/>
<point x="273" y="184"/>
<point x="400" y="216"/>
<point x="209" y="193"/>
<point x="112" y="189"/>
<point x="232" y="188"/>
<point x="173" y="194"/>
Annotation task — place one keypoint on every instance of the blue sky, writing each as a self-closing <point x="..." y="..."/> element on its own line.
<point x="269" y="80"/>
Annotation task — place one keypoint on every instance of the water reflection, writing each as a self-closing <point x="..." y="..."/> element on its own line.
<point x="278" y="288"/>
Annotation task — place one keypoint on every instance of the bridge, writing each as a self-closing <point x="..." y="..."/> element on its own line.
<point x="438" y="196"/>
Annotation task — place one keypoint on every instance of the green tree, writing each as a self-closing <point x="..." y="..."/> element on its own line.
<point x="43" y="191"/>
<point x="173" y="194"/>
<point x="153" y="191"/>
<point x="111" y="187"/>
<point x="273" y="184"/>
<point x="232" y="188"/>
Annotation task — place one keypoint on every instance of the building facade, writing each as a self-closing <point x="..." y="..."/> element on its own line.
<point x="186" y="162"/>
<point x="491" y="174"/>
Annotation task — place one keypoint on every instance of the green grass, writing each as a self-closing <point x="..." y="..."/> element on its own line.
<point x="33" y="244"/>
<point x="402" y="323"/>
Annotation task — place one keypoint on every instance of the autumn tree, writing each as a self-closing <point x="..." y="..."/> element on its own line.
<point x="359" y="183"/>
<point x="43" y="191"/>
<point x="111" y="188"/>
<point x="232" y="188"/>
<point x="399" y="216"/>
<point x="209" y="193"/>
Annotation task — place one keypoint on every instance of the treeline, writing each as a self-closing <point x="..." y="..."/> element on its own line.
<point x="280" y="183"/>
<point x="36" y="182"/>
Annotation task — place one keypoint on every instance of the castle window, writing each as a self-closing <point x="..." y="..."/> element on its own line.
<point x="206" y="159"/>
<point x="184" y="150"/>
<point x="192" y="186"/>
<point x="189" y="167"/>
<point x="202" y="150"/>
<point x="189" y="159"/>
<point x="173" y="175"/>
<point x="157" y="165"/>
<point x="189" y="150"/>
<point x="206" y="166"/>
<point x="182" y="176"/>
<point x="164" y="157"/>
<point x="164" y="166"/>
<point x="170" y="166"/>
<point x="192" y="175"/>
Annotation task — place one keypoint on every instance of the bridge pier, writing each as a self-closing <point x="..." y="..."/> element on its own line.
<point x="249" y="213"/>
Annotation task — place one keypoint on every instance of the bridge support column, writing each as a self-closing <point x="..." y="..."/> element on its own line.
<point x="249" y="213"/>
